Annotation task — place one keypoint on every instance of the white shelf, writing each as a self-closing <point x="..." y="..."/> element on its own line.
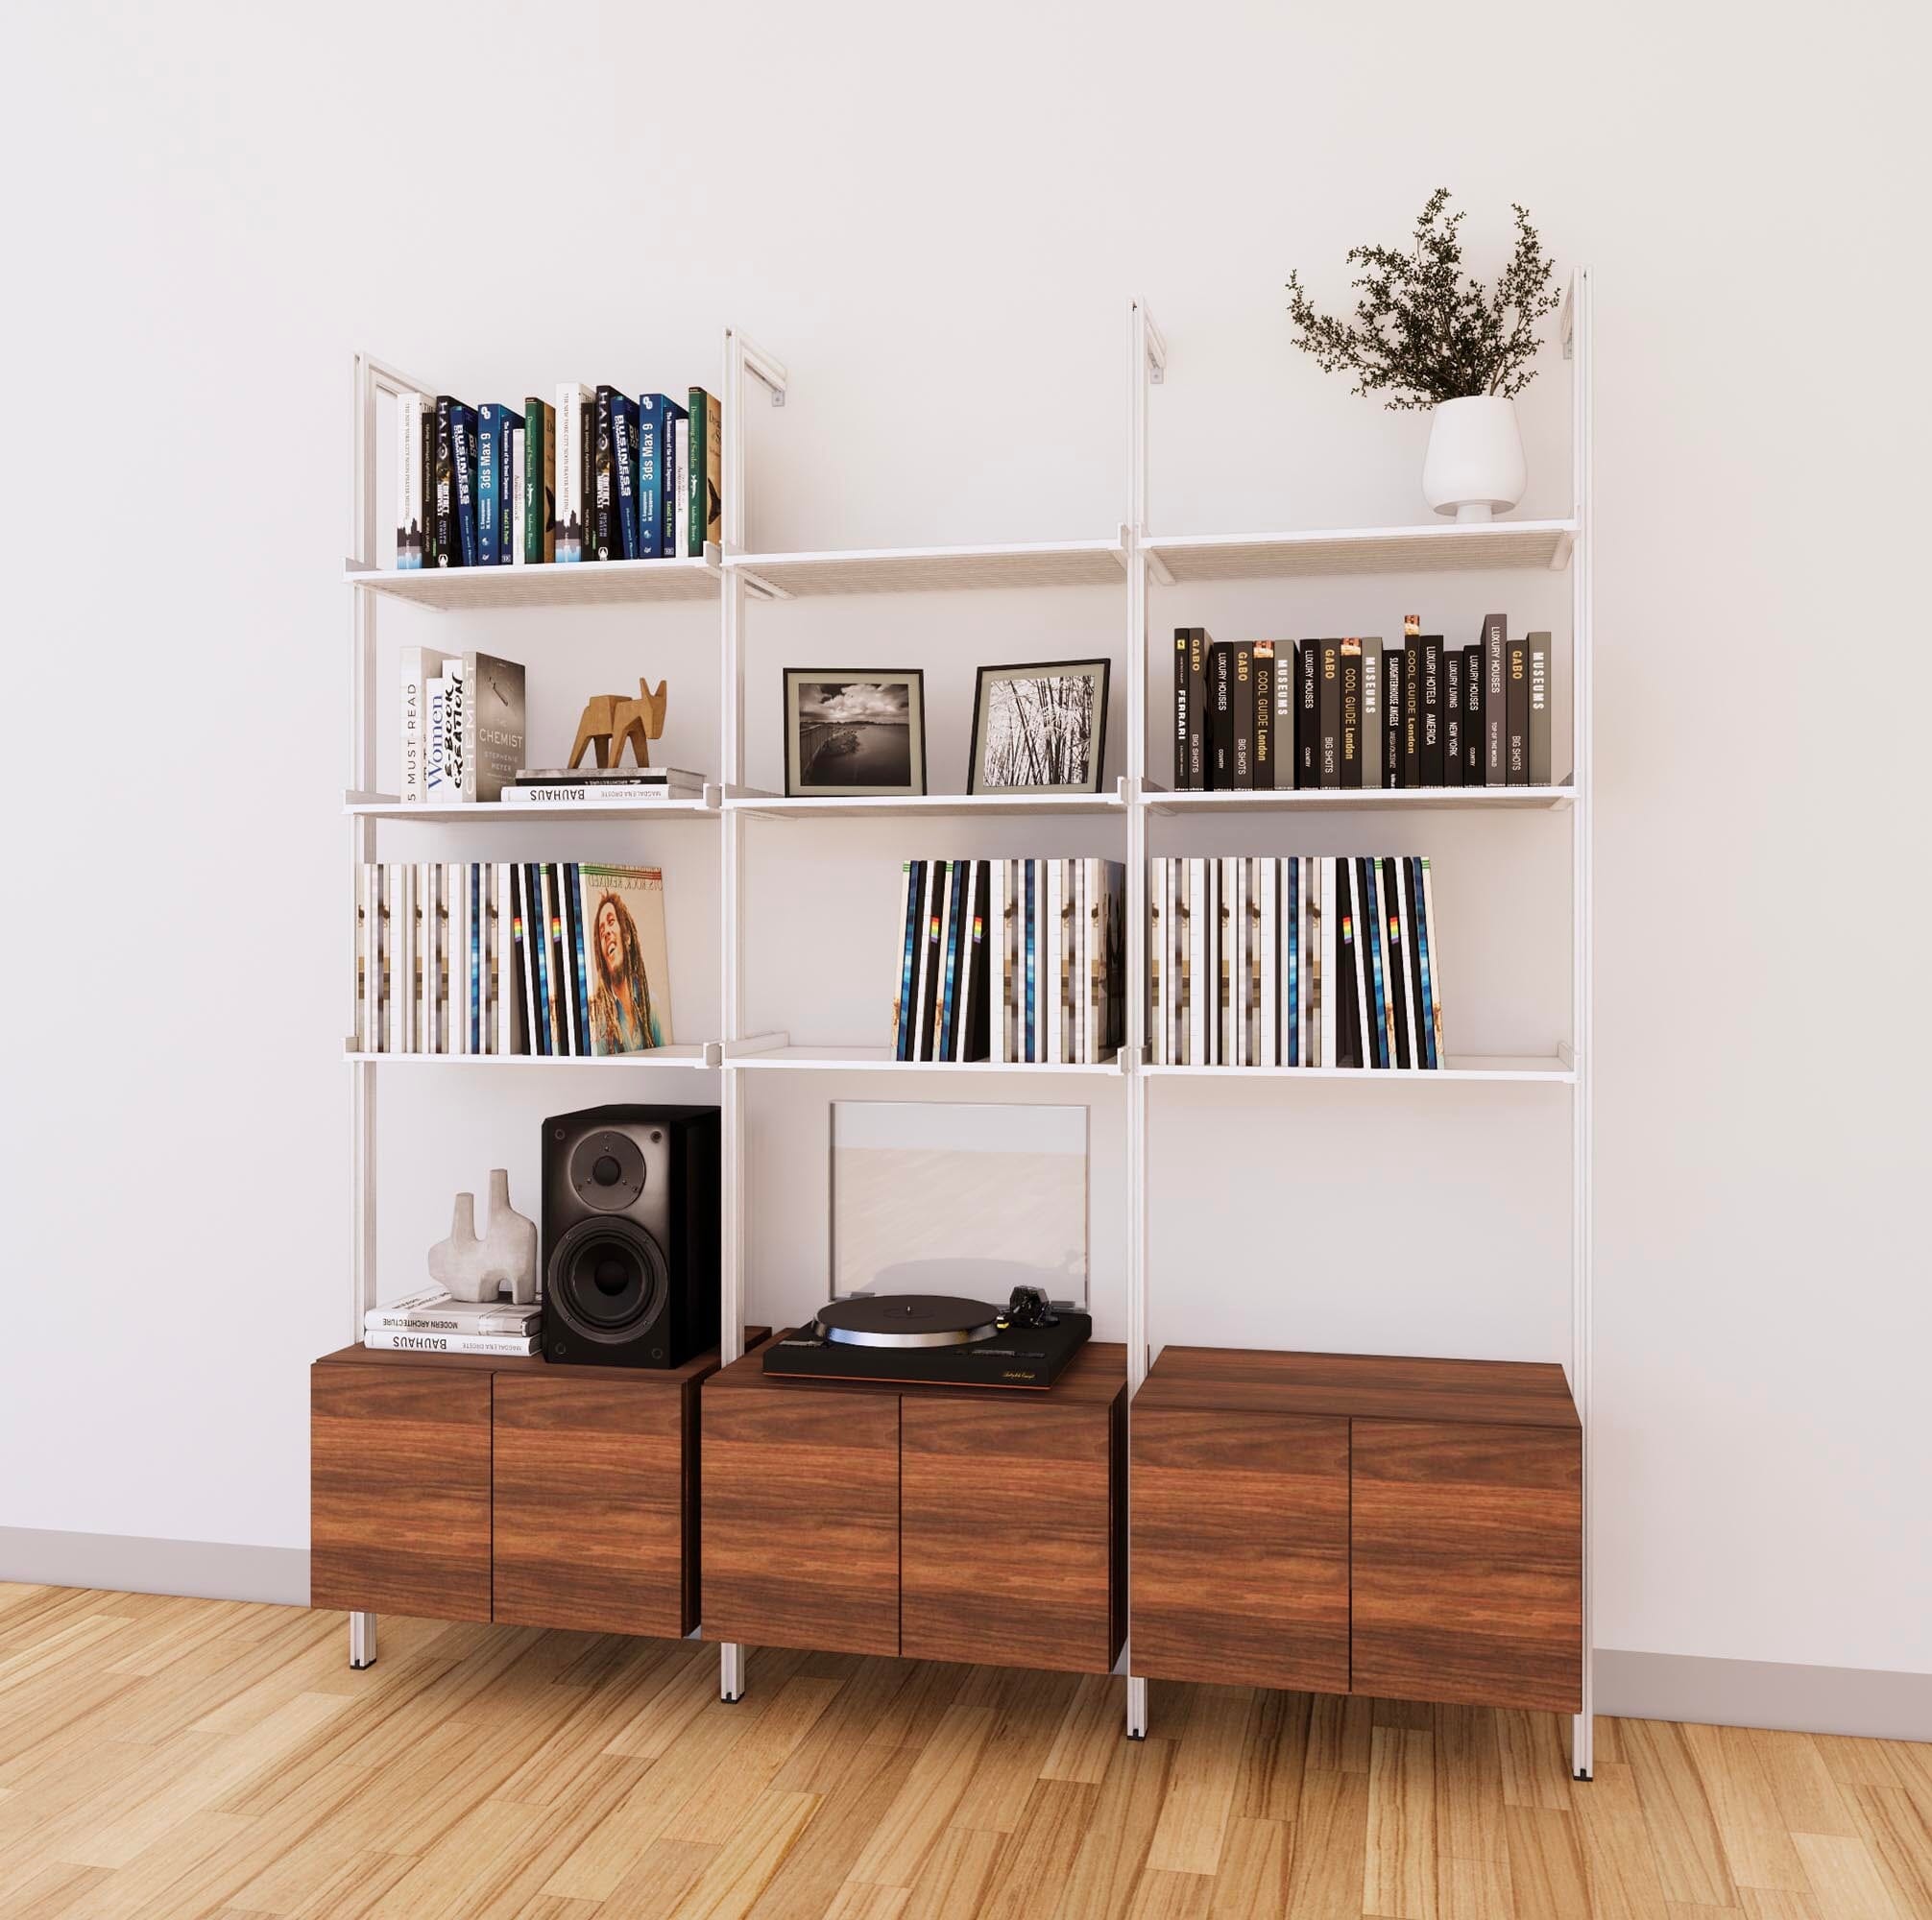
<point x="590" y="583"/>
<point x="1500" y="545"/>
<point x="1369" y="799"/>
<point x="381" y="807"/>
<point x="1541" y="1069"/>
<point x="959" y="805"/>
<point x="936" y="569"/>
<point x="705" y="1055"/>
<point x="879" y="1059"/>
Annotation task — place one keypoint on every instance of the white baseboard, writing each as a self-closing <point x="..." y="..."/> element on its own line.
<point x="1638" y="1685"/>
<point x="1765" y="1693"/>
<point x="208" y="1569"/>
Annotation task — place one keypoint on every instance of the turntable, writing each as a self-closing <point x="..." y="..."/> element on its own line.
<point x="935" y="1340"/>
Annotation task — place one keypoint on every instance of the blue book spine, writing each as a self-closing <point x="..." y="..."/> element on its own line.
<point x="463" y="454"/>
<point x="488" y="484"/>
<point x="539" y="947"/>
<point x="572" y="880"/>
<point x="1378" y="1041"/>
<point x="650" y="477"/>
<point x="1291" y="1014"/>
<point x="908" y="1018"/>
<point x="668" y="478"/>
<point x="624" y="425"/>
<point x="949" y="988"/>
<point x="1032" y="919"/>
<point x="499" y="509"/>
<point x="475" y="958"/>
<point x="1425" y="1023"/>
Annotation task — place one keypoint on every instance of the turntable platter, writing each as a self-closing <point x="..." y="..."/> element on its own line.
<point x="907" y="1320"/>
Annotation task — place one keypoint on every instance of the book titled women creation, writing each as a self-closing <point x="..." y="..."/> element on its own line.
<point x="627" y="967"/>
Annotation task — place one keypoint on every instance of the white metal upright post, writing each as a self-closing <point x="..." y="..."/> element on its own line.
<point x="1147" y="362"/>
<point x="741" y="357"/>
<point x="1577" y="349"/>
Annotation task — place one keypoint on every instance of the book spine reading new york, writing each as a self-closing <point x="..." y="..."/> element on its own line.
<point x="1308" y="961"/>
<point x="1353" y="712"/>
<point x="1019" y="961"/>
<point x="501" y="958"/>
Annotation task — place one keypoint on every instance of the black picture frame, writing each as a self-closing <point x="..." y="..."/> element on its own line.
<point x="1095" y="671"/>
<point x="798" y="787"/>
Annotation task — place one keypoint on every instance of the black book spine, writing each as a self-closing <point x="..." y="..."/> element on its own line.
<point x="432" y="548"/>
<point x="1432" y="773"/>
<point x="603" y="497"/>
<point x="1412" y="872"/>
<point x="1351" y="712"/>
<point x="1183" y="773"/>
<point x="1241" y="669"/>
<point x="1375" y="1043"/>
<point x="1395" y="679"/>
<point x="1452" y="716"/>
<point x="1198" y="710"/>
<point x="1472" y="716"/>
<point x="1412" y="713"/>
<point x="1539" y="709"/>
<point x="1329" y="653"/>
<point x="1348" y="1020"/>
<point x="1517" y="712"/>
<point x="1495" y="701"/>
<point x="1307" y="719"/>
<point x="448" y="548"/>
<point x="1396" y="962"/>
<point x="1221" y="717"/>
<point x="1267" y="750"/>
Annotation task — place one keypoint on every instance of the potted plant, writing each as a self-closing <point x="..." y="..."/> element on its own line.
<point x="1428" y="335"/>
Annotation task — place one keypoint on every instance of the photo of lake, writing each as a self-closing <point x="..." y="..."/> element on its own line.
<point x="855" y="733"/>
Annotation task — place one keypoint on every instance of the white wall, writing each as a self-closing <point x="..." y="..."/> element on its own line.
<point x="936" y="220"/>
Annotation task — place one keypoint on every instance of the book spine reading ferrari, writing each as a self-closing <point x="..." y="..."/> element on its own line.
<point x="1183" y="773"/>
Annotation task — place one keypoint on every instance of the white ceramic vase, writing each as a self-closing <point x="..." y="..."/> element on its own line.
<point x="458" y="1265"/>
<point x="510" y="1243"/>
<point x="1474" y="467"/>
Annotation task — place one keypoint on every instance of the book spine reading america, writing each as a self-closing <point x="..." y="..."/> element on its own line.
<point x="1432" y="768"/>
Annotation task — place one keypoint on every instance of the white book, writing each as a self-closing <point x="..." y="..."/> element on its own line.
<point x="930" y="898"/>
<point x="1407" y="923"/>
<point x="442" y="737"/>
<point x="595" y="793"/>
<point x="500" y="1346"/>
<point x="517" y="520"/>
<point x="1226" y="951"/>
<point x="430" y="1310"/>
<point x="1052" y="959"/>
<point x="1080" y="956"/>
<point x="425" y="957"/>
<point x="682" y="512"/>
<point x="525" y="955"/>
<point x="457" y="885"/>
<point x="996" y="961"/>
<point x="1198" y="994"/>
<point x="574" y="399"/>
<point x="411" y="491"/>
<point x="962" y="1011"/>
<point x="420" y="666"/>
<point x="401" y="890"/>
<point x="1435" y="952"/>
<point x="1364" y="998"/>
<point x="1177" y="960"/>
<point x="1325" y="902"/>
<point x="501" y="998"/>
<point x="1306" y="953"/>
<point x="1270" y="962"/>
<point x="1157" y="923"/>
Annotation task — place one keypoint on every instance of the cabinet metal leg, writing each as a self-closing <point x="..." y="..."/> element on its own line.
<point x="1137" y="1707"/>
<point x="731" y="1670"/>
<point x="362" y="1640"/>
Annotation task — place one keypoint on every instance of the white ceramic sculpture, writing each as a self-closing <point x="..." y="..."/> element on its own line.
<point x="504" y="1261"/>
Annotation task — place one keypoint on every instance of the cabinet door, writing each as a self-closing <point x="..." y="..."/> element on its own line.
<point x="590" y="1504"/>
<point x="801" y="1519"/>
<point x="399" y="1490"/>
<point x="1240" y="1547"/>
<point x="1008" y="1533"/>
<point x="1468" y="1562"/>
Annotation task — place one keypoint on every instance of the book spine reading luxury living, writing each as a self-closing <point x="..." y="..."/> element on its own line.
<point x="1356" y="712"/>
<point x="1325" y="961"/>
<point x="498" y="957"/>
<point x="1017" y="961"/>
<point x="593" y="476"/>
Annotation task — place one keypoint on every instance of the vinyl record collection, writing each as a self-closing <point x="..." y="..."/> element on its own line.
<point x="596" y="475"/>
<point x="1353" y="712"/>
<point x="548" y="958"/>
<point x="1017" y="961"/>
<point x="1319" y="962"/>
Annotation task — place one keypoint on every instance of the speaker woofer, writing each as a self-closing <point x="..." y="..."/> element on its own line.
<point x="607" y="1280"/>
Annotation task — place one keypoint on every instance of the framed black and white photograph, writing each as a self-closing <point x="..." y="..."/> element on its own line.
<point x="1039" y="728"/>
<point x="852" y="734"/>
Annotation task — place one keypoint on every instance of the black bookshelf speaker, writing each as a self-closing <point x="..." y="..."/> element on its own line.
<point x="630" y="1247"/>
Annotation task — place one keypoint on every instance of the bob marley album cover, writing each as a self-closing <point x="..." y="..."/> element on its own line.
<point x="626" y="965"/>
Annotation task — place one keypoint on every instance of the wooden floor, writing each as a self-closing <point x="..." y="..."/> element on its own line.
<point x="164" y="1757"/>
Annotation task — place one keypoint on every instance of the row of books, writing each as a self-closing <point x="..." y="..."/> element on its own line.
<point x="1017" y="961"/>
<point x="1353" y="712"/>
<point x="591" y="786"/>
<point x="597" y="476"/>
<point x="428" y="1321"/>
<point x="501" y="957"/>
<point x="1306" y="961"/>
<point x="462" y="719"/>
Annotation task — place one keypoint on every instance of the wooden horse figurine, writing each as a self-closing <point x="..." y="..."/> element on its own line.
<point x="610" y="719"/>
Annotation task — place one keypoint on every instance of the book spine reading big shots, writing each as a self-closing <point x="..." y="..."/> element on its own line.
<point x="496" y="958"/>
<point x="1017" y="961"/>
<point x="598" y="473"/>
<point x="1327" y="962"/>
<point x="1359" y="712"/>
